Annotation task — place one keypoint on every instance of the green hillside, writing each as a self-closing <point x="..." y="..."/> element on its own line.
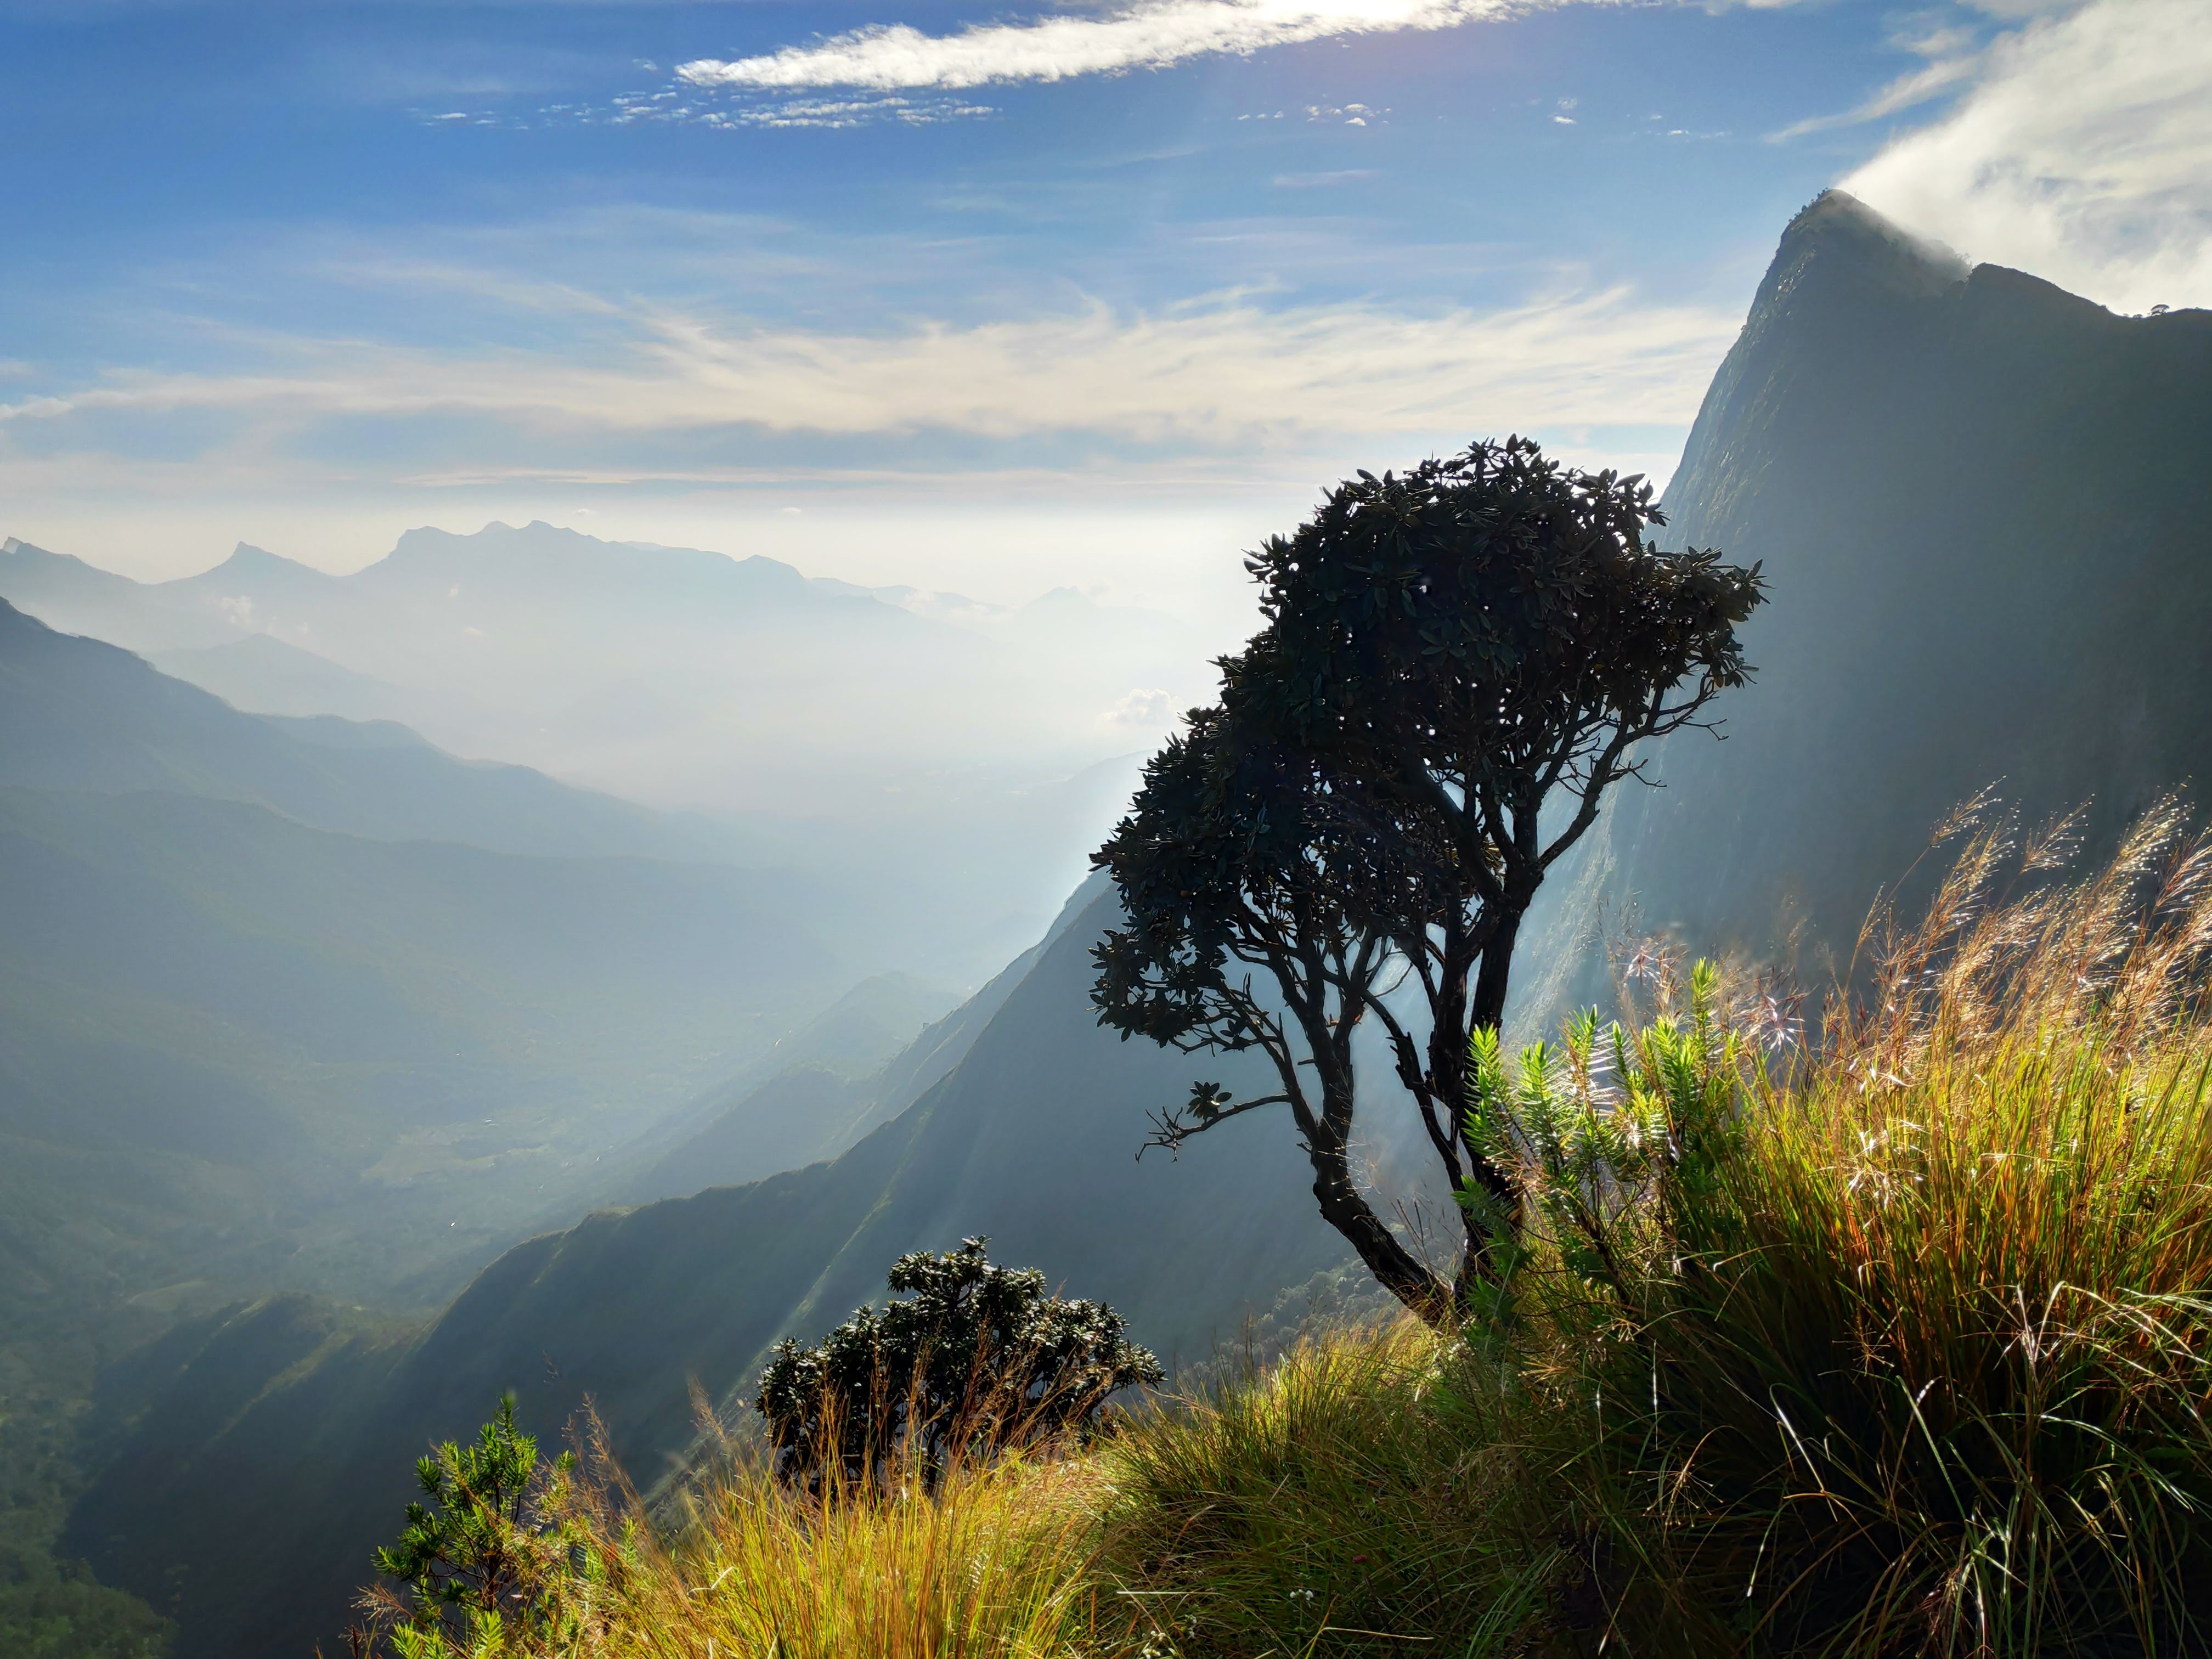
<point x="268" y="1023"/>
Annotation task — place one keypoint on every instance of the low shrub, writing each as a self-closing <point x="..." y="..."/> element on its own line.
<point x="971" y="1360"/>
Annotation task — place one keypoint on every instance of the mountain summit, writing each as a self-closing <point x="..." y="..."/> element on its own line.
<point x="1978" y="499"/>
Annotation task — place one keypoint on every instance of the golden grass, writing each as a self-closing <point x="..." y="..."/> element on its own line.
<point x="1371" y="1493"/>
<point x="993" y="1564"/>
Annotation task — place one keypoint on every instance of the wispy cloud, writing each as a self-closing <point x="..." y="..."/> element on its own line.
<point x="2081" y="150"/>
<point x="1224" y="371"/>
<point x="1953" y="57"/>
<point x="1152" y="34"/>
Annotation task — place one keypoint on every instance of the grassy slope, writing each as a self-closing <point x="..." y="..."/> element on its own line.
<point x="1900" y="1351"/>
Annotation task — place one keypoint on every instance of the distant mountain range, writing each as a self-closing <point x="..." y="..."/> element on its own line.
<point x="1979" y="499"/>
<point x="79" y="714"/>
<point x="948" y="762"/>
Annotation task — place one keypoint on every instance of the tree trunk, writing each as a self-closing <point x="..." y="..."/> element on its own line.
<point x="1395" y="1268"/>
<point x="1487" y="1008"/>
<point x="1494" y="978"/>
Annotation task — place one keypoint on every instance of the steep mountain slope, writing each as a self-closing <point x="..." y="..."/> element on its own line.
<point x="810" y="1097"/>
<point x="1979" y="499"/>
<point x="1030" y="1139"/>
<point x="76" y="713"/>
<point x="746" y="1129"/>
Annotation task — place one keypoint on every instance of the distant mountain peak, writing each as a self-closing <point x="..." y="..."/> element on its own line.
<point x="540" y="552"/>
<point x="248" y="560"/>
<point x="246" y="553"/>
<point x="1838" y="229"/>
<point x="16" y="548"/>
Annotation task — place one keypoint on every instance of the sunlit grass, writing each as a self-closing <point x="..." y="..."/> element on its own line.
<point x="1373" y="1487"/>
<point x="1929" y="1370"/>
<point x="994" y="1564"/>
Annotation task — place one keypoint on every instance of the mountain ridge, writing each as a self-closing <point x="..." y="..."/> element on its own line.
<point x="82" y="714"/>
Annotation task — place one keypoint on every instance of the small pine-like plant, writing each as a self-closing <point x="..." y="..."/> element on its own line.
<point x="973" y="1359"/>
<point x="484" y="1558"/>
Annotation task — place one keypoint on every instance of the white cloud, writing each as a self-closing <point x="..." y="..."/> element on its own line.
<point x="1152" y="34"/>
<point x="1929" y="81"/>
<point x="1145" y="710"/>
<point x="1224" y="371"/>
<point x="1953" y="54"/>
<point x="2082" y="151"/>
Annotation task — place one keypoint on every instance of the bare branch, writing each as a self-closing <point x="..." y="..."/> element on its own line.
<point x="1207" y="1106"/>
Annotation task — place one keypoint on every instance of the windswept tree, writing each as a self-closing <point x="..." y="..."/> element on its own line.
<point x="1455" y="664"/>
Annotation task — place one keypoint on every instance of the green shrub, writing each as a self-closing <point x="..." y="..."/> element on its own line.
<point x="973" y="1359"/>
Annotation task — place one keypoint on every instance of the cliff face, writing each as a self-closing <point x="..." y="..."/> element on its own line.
<point x="1979" y="500"/>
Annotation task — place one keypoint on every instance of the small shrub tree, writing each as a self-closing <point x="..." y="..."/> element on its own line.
<point x="974" y="1359"/>
<point x="1455" y="664"/>
<point x="479" y="1566"/>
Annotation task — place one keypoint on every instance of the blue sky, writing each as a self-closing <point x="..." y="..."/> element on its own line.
<point x="973" y="296"/>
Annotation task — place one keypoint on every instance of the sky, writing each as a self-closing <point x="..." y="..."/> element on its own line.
<point x="985" y="296"/>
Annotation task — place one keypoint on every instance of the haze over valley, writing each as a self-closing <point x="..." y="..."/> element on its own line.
<point x="942" y="763"/>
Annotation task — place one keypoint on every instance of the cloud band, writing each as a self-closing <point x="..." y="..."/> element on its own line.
<point x="1152" y="36"/>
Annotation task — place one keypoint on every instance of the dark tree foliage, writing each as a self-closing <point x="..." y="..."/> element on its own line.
<point x="1455" y="664"/>
<point x="976" y="1358"/>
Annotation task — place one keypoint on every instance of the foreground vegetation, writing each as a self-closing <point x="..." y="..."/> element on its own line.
<point x="1899" y="1346"/>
